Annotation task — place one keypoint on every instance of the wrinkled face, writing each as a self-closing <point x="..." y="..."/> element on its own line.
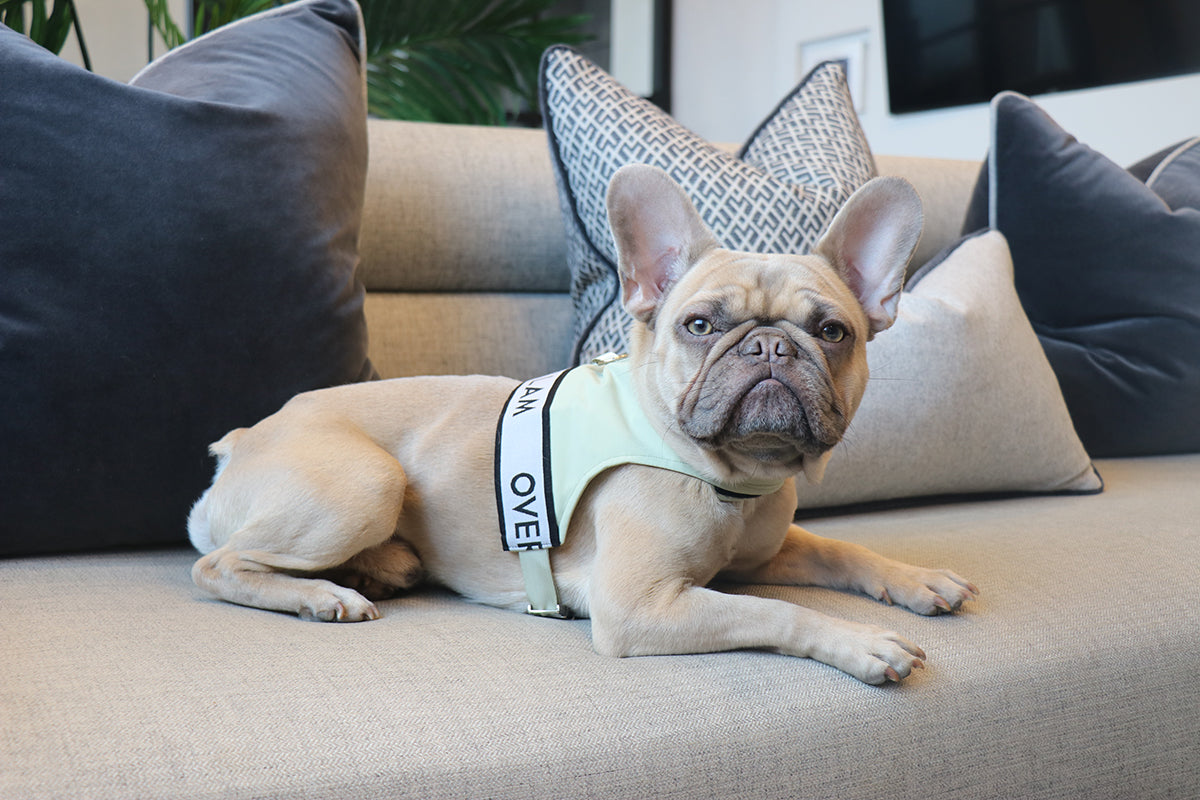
<point x="761" y="357"/>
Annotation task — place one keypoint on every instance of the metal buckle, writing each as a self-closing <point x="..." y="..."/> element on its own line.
<point x="558" y="612"/>
<point x="608" y="358"/>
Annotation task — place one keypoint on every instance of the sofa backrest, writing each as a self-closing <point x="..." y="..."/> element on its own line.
<point x="466" y="208"/>
<point x="464" y="255"/>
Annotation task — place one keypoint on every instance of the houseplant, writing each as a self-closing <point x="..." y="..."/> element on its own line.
<point x="463" y="61"/>
<point x="49" y="27"/>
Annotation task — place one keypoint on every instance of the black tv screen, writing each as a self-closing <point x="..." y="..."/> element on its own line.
<point x="943" y="53"/>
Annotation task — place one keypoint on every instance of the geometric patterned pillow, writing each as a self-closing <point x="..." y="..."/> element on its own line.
<point x="777" y="194"/>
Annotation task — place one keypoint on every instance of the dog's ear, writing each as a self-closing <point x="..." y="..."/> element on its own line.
<point x="870" y="242"/>
<point x="658" y="235"/>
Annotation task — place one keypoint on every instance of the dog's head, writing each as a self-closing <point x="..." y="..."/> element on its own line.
<point x="756" y="363"/>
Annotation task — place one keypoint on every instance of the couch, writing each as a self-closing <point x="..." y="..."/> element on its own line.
<point x="1073" y="675"/>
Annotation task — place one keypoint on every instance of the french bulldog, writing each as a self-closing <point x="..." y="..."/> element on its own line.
<point x="746" y="370"/>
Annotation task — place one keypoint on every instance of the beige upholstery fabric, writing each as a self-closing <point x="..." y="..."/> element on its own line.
<point x="1072" y="676"/>
<point x="464" y="210"/>
<point x="454" y="207"/>
<point x="457" y="207"/>
<point x="463" y="252"/>
<point x="518" y="335"/>
<point x="945" y="187"/>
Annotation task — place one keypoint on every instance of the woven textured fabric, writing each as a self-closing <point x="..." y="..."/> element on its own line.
<point x="778" y="194"/>
<point x="517" y="334"/>
<point x="460" y="208"/>
<point x="959" y="385"/>
<point x="122" y="680"/>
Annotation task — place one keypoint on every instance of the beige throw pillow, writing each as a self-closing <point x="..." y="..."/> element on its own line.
<point x="962" y="400"/>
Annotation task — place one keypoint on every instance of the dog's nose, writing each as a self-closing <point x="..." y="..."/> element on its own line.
<point x="769" y="344"/>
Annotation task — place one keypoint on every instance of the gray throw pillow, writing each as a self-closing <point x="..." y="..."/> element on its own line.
<point x="178" y="259"/>
<point x="778" y="194"/>
<point x="1108" y="271"/>
<point x="1173" y="174"/>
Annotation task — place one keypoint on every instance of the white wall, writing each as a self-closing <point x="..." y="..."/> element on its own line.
<point x="733" y="62"/>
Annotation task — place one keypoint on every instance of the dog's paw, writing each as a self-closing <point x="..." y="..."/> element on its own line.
<point x="871" y="654"/>
<point x="338" y="604"/>
<point x="925" y="591"/>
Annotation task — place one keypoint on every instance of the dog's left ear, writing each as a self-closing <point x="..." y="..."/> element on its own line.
<point x="658" y="234"/>
<point x="870" y="242"/>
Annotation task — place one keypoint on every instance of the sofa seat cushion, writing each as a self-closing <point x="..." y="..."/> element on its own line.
<point x="178" y="259"/>
<point x="1072" y="675"/>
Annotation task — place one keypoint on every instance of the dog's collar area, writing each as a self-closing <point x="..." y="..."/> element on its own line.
<point x="609" y="358"/>
<point x="730" y="497"/>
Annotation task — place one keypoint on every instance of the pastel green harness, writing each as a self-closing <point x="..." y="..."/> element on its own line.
<point x="555" y="434"/>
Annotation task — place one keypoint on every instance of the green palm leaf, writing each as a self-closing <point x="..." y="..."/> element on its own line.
<point x="466" y="61"/>
<point x="48" y="27"/>
<point x="469" y="61"/>
<point x="207" y="15"/>
<point x="212" y="14"/>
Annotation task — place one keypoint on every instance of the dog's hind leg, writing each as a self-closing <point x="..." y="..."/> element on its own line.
<point x="308" y="524"/>
<point x="255" y="579"/>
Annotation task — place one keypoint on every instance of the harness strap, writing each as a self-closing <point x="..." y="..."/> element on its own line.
<point x="525" y="492"/>
<point x="539" y="586"/>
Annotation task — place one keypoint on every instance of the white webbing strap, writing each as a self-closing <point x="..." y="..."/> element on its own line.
<point x="524" y="494"/>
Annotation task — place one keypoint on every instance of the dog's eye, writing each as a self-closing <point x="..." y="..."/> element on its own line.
<point x="698" y="326"/>
<point x="833" y="332"/>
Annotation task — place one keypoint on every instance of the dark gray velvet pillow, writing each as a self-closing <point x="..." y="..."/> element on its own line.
<point x="1108" y="272"/>
<point x="178" y="258"/>
<point x="1173" y="174"/>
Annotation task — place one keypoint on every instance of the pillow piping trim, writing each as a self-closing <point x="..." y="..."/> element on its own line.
<point x="993" y="191"/>
<point x="941" y="256"/>
<point x="1167" y="162"/>
<point x="945" y="498"/>
<point x="789" y="97"/>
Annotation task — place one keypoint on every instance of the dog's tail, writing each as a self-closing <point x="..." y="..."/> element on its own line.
<point x="198" y="524"/>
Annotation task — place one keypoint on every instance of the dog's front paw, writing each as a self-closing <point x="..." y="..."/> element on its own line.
<point x="871" y="654"/>
<point x="338" y="604"/>
<point x="925" y="591"/>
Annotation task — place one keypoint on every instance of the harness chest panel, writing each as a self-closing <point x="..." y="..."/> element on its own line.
<point x="557" y="433"/>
